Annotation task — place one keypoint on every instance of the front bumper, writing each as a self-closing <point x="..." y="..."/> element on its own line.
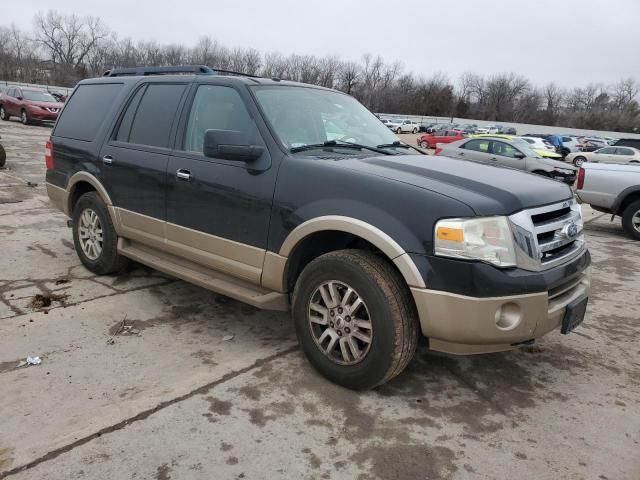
<point x="462" y="324"/>
<point x="42" y="115"/>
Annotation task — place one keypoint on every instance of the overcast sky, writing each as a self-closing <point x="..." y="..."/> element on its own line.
<point x="571" y="42"/>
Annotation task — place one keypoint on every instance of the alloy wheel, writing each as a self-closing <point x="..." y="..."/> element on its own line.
<point x="24" y="118"/>
<point x="90" y="234"/>
<point x="340" y="323"/>
<point x="635" y="221"/>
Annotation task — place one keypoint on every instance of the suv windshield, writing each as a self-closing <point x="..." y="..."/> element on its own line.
<point x="35" y="96"/>
<point x="309" y="116"/>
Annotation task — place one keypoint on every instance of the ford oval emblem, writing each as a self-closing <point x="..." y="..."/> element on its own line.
<point x="570" y="230"/>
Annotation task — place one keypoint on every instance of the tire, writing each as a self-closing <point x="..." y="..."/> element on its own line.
<point x="24" y="118"/>
<point x="3" y="114"/>
<point x="107" y="260"/>
<point x="631" y="219"/>
<point x="387" y="305"/>
<point x="3" y="156"/>
<point x="424" y="145"/>
<point x="414" y="131"/>
<point x="399" y="130"/>
<point x="578" y="161"/>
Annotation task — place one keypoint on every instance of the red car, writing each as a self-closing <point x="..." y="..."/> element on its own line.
<point x="430" y="140"/>
<point x="29" y="104"/>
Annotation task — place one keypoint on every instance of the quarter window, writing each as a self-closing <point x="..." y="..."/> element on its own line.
<point x="624" y="151"/>
<point x="216" y="108"/>
<point x="477" y="146"/>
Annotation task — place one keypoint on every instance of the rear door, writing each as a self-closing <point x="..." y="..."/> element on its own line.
<point x="134" y="159"/>
<point x="11" y="101"/>
<point x="476" y="149"/>
<point x="218" y="210"/>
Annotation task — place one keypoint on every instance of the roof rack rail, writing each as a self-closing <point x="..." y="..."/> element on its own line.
<point x="173" y="70"/>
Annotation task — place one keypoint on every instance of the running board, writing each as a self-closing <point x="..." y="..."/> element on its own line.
<point x="204" y="277"/>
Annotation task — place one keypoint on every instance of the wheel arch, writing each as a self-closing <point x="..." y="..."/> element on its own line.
<point x="625" y="198"/>
<point x="81" y="183"/>
<point x="321" y="235"/>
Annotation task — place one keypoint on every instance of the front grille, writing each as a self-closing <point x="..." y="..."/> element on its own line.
<point x="548" y="236"/>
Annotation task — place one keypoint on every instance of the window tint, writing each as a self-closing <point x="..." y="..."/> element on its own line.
<point x="155" y="114"/>
<point x="607" y="150"/>
<point x="127" y="119"/>
<point x="85" y="111"/>
<point x="452" y="133"/>
<point x="477" y="146"/>
<point x="216" y="108"/>
<point x="624" y="151"/>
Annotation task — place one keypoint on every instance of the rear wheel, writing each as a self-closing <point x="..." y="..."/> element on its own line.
<point x="3" y="156"/>
<point x="24" y="118"/>
<point x="3" y="114"/>
<point x="95" y="237"/>
<point x="355" y="318"/>
<point x="415" y="130"/>
<point x="578" y="161"/>
<point x="398" y="130"/>
<point x="631" y="219"/>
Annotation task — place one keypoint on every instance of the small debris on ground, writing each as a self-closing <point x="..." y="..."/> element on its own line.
<point x="31" y="184"/>
<point x="123" y="329"/>
<point x="34" y="360"/>
<point x="227" y="338"/>
<point x="62" y="281"/>
<point x="41" y="301"/>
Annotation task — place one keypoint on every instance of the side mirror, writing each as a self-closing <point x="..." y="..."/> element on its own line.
<point x="230" y="145"/>
<point x="19" y="98"/>
<point x="519" y="155"/>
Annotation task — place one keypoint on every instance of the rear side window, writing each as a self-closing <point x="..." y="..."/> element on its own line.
<point x="477" y="146"/>
<point x="85" y="111"/>
<point x="567" y="139"/>
<point x="624" y="151"/>
<point x="154" y="115"/>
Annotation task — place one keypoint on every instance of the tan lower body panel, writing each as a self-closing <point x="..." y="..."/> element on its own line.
<point x="204" y="277"/>
<point x="59" y="198"/>
<point x="464" y="325"/>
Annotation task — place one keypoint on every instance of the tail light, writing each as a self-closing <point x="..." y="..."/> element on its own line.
<point x="580" y="179"/>
<point x="438" y="150"/>
<point x="48" y="155"/>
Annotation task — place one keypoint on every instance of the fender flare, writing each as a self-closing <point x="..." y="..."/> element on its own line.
<point x="385" y="243"/>
<point x="621" y="197"/>
<point x="90" y="179"/>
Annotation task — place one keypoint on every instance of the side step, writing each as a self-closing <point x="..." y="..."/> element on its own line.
<point x="204" y="277"/>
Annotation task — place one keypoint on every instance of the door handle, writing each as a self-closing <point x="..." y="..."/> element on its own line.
<point x="107" y="159"/>
<point x="461" y="154"/>
<point x="493" y="158"/>
<point x="183" y="174"/>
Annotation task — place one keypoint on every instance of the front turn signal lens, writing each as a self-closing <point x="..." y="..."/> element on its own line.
<point x="450" y="234"/>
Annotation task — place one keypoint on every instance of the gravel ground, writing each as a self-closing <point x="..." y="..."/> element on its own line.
<point x="147" y="377"/>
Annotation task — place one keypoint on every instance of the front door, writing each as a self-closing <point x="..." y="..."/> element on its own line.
<point x="133" y="162"/>
<point x="506" y="155"/>
<point x="218" y="210"/>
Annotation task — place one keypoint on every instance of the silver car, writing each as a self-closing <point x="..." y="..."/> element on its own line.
<point x="515" y="153"/>
<point x="606" y="154"/>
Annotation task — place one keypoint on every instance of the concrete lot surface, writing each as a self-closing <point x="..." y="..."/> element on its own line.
<point x="147" y="377"/>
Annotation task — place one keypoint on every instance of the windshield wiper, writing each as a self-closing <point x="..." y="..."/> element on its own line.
<point x="334" y="143"/>
<point x="398" y="144"/>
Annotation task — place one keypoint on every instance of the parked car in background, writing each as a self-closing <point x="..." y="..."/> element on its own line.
<point x="570" y="144"/>
<point x="539" y="143"/>
<point x="388" y="123"/>
<point x="506" y="130"/>
<point x="508" y="153"/>
<point x="487" y="129"/>
<point x="544" y="152"/>
<point x="424" y="127"/>
<point x="430" y="140"/>
<point x="404" y="126"/>
<point x="626" y="142"/>
<point x="29" y="104"/>
<point x="438" y="126"/>
<point x="612" y="188"/>
<point x="606" y="154"/>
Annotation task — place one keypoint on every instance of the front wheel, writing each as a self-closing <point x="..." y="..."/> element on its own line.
<point x="355" y="318"/>
<point x="631" y="219"/>
<point x="3" y="114"/>
<point x="95" y="237"/>
<point x="399" y="130"/>
<point x="3" y="156"/>
<point x="578" y="161"/>
<point x="414" y="131"/>
<point x="424" y="144"/>
<point x="24" y="118"/>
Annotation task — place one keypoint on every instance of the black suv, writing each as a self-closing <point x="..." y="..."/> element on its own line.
<point x="627" y="142"/>
<point x="290" y="196"/>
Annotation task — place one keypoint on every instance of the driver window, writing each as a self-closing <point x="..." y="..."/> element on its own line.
<point x="216" y="108"/>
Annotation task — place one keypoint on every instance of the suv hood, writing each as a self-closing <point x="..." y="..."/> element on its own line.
<point x="486" y="189"/>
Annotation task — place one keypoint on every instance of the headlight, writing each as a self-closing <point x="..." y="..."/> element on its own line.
<point x="487" y="239"/>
